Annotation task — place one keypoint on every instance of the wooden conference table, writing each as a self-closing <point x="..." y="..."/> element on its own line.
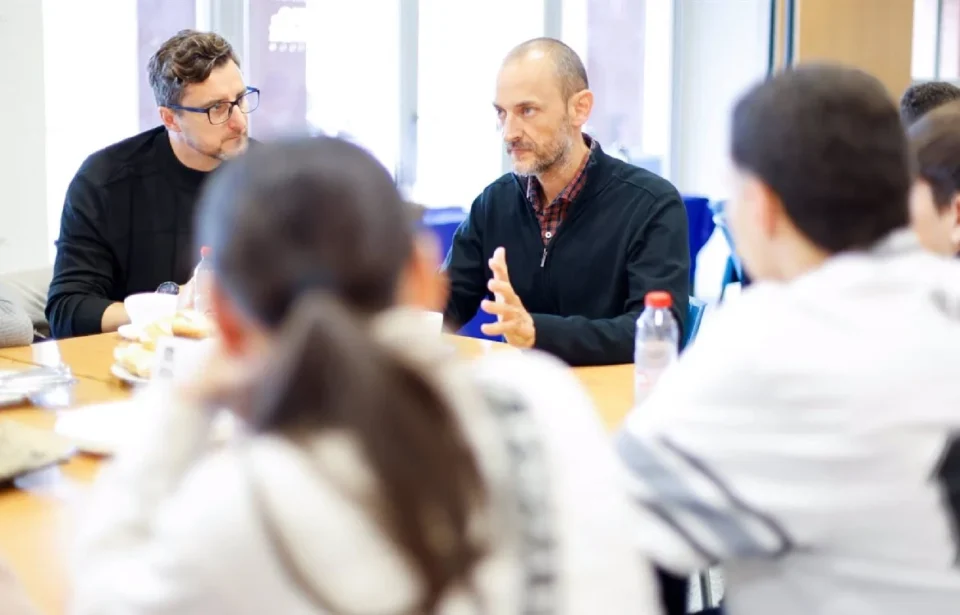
<point x="37" y="514"/>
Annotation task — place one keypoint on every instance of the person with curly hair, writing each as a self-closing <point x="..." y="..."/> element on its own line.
<point x="127" y="220"/>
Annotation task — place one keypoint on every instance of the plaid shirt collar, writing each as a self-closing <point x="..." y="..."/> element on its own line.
<point x="535" y="191"/>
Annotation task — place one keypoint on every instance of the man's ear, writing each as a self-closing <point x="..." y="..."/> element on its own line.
<point x="579" y="107"/>
<point x="231" y="324"/>
<point x="955" y="228"/>
<point x="764" y="205"/>
<point x="169" y="119"/>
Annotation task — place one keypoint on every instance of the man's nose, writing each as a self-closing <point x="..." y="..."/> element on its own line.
<point x="237" y="121"/>
<point x="510" y="128"/>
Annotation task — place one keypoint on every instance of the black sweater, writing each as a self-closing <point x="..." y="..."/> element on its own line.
<point x="624" y="235"/>
<point x="126" y="227"/>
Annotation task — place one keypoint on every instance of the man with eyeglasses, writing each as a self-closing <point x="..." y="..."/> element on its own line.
<point x="127" y="221"/>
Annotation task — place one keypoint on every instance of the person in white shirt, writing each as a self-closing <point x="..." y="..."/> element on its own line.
<point x="13" y="599"/>
<point x="935" y="200"/>
<point x="381" y="473"/>
<point x="16" y="329"/>
<point x="807" y="441"/>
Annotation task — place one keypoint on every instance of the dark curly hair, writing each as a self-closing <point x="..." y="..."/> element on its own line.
<point x="829" y="142"/>
<point x="187" y="57"/>
<point x="935" y="139"/>
<point x="922" y="98"/>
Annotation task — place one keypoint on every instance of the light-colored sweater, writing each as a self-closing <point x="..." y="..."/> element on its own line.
<point x="15" y="326"/>
<point x="13" y="601"/>
<point x="175" y="528"/>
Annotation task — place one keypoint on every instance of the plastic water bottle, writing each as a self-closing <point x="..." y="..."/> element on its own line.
<point x="202" y="280"/>
<point x="656" y="344"/>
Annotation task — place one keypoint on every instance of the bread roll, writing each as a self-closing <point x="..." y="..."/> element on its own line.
<point x="136" y="359"/>
<point x="192" y="324"/>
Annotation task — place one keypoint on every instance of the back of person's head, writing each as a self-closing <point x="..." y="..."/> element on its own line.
<point x="310" y="242"/>
<point x="922" y="98"/>
<point x="935" y="203"/>
<point x="823" y="162"/>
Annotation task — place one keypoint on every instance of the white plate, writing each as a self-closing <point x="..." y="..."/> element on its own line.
<point x="118" y="370"/>
<point x="97" y="429"/>
<point x="130" y="332"/>
<point x="101" y="429"/>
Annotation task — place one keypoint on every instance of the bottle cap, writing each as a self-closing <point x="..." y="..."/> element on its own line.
<point x="205" y="251"/>
<point x="658" y="299"/>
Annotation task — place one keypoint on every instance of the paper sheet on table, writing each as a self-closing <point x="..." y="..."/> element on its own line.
<point x="100" y="428"/>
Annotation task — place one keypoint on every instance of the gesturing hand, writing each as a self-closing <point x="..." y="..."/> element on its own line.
<point x="514" y="323"/>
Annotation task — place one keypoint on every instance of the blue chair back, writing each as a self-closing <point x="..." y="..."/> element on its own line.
<point x="700" y="225"/>
<point x="444" y="223"/>
<point x="734" y="271"/>
<point x="695" y="311"/>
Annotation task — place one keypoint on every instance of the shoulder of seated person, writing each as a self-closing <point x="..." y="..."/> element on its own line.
<point x="646" y="184"/>
<point x="508" y="183"/>
<point x="114" y="161"/>
<point x="276" y="464"/>
<point x="761" y="318"/>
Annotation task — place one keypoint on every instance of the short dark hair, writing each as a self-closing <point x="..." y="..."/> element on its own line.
<point x="935" y="140"/>
<point x="829" y="142"/>
<point x="185" y="58"/>
<point x="922" y="98"/>
<point x="571" y="74"/>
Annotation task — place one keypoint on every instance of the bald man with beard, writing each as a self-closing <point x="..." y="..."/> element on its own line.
<point x="564" y="249"/>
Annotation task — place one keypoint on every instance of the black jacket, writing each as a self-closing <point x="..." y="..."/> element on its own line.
<point x="126" y="227"/>
<point x="624" y="235"/>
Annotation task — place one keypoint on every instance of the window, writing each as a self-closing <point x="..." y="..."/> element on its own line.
<point x="460" y="47"/>
<point x="627" y="48"/>
<point x="936" y="40"/>
<point x="413" y="80"/>
<point x="327" y="67"/>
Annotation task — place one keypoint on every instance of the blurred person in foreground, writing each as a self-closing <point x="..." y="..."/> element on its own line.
<point x="381" y="473"/>
<point x="922" y="98"/>
<point x="13" y="600"/>
<point x="935" y="200"/>
<point x="585" y="235"/>
<point x="16" y="328"/>
<point x="127" y="221"/>
<point x="807" y="441"/>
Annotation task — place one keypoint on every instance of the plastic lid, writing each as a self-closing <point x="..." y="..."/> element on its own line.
<point x="658" y="299"/>
<point x="205" y="251"/>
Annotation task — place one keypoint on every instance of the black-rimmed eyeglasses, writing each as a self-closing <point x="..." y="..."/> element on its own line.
<point x="219" y="113"/>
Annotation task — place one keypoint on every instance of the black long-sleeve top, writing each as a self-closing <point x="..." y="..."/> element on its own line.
<point x="126" y="227"/>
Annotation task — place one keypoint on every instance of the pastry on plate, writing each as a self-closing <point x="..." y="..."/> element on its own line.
<point x="154" y="331"/>
<point x="191" y="324"/>
<point x="136" y="359"/>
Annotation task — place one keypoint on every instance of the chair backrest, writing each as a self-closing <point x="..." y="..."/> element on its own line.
<point x="695" y="310"/>
<point x="444" y="223"/>
<point x="30" y="288"/>
<point x="720" y="218"/>
<point x="700" y="225"/>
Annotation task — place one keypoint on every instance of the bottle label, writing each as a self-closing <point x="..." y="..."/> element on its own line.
<point x="651" y="359"/>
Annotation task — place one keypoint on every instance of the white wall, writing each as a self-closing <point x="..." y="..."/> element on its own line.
<point x="721" y="49"/>
<point x="72" y="70"/>
<point x="91" y="74"/>
<point x="23" y="213"/>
